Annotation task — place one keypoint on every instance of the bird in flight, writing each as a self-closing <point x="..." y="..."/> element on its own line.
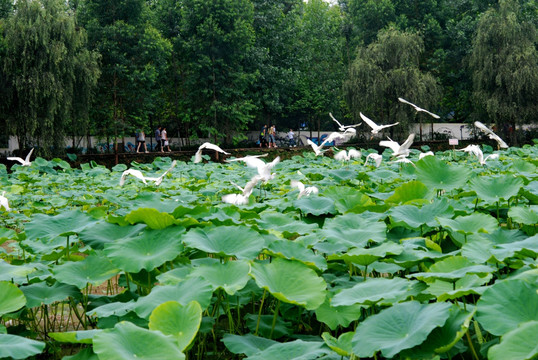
<point x="343" y="127"/>
<point x="207" y="145"/>
<point x="375" y="157"/>
<point x="263" y="168"/>
<point x="475" y="150"/>
<point x="418" y="109"/>
<point x="347" y="155"/>
<point x="315" y="147"/>
<point x="304" y="190"/>
<point x="25" y="162"/>
<point x="138" y="174"/>
<point x="3" y="202"/>
<point x="375" y="128"/>
<point x="491" y="134"/>
<point x="242" y="199"/>
<point x="397" y="149"/>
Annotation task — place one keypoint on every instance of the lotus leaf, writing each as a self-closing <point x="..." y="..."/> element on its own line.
<point x="151" y="217"/>
<point x="17" y="274"/>
<point x="265" y="327"/>
<point x="247" y="344"/>
<point x="295" y="350"/>
<point x="192" y="289"/>
<point x="47" y="227"/>
<point x="315" y="205"/>
<point x="181" y="322"/>
<point x="528" y="216"/>
<point x="354" y="231"/>
<point x="516" y="300"/>
<point x="295" y="251"/>
<point x="231" y="276"/>
<point x="368" y="256"/>
<point x="102" y="233"/>
<point x="413" y="217"/>
<point x="284" y="223"/>
<point x="399" y="327"/>
<point x="94" y="270"/>
<point x="11" y="298"/>
<point x="42" y="293"/>
<point x="17" y="347"/>
<point x="239" y="241"/>
<point x="470" y="224"/>
<point x="518" y="344"/>
<point x="436" y="174"/>
<point x="290" y="281"/>
<point x="468" y="284"/>
<point x="75" y="337"/>
<point x="492" y="189"/>
<point x="373" y="290"/>
<point x="335" y="316"/>
<point x="453" y="268"/>
<point x="342" y="345"/>
<point x="410" y="191"/>
<point x="84" y="354"/>
<point x="127" y="341"/>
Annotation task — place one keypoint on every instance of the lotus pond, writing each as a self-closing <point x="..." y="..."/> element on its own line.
<point x="436" y="261"/>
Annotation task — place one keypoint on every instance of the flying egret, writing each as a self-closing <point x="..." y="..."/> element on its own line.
<point x="3" y="202"/>
<point x="375" y="128"/>
<point x="315" y="147"/>
<point x="475" y="150"/>
<point x="304" y="190"/>
<point x="375" y="157"/>
<point x="343" y="127"/>
<point x="405" y="160"/>
<point x="138" y="174"/>
<point x="397" y="149"/>
<point x="347" y="155"/>
<point x="263" y="168"/>
<point x="25" y="162"/>
<point x="242" y="199"/>
<point x="429" y="153"/>
<point x="336" y="136"/>
<point x="207" y="145"/>
<point x="418" y="109"/>
<point x="491" y="134"/>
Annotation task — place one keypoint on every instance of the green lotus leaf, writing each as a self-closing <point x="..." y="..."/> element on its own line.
<point x="291" y="281"/>
<point x="523" y="167"/>
<point x="181" y="322"/>
<point x="342" y="346"/>
<point x="6" y="234"/>
<point x="343" y="174"/>
<point x="413" y="217"/>
<point x="468" y="284"/>
<point x="75" y="337"/>
<point x="372" y="290"/>
<point x="335" y="316"/>
<point x="451" y="268"/>
<point x="239" y="241"/>
<point x="527" y="247"/>
<point x="518" y="344"/>
<point x="153" y="200"/>
<point x="127" y="341"/>
<point x="409" y="191"/>
<point x="436" y="174"/>
<point x="113" y="309"/>
<point x="315" y="205"/>
<point x="247" y="344"/>
<point x="528" y="216"/>
<point x="11" y="298"/>
<point x="46" y="227"/>
<point x="267" y="326"/>
<point x="192" y="289"/>
<point x="294" y="350"/>
<point x="231" y="276"/>
<point x="470" y="224"/>
<point x="18" y="347"/>
<point x="147" y="250"/>
<point x="42" y="293"/>
<point x="530" y="191"/>
<point x="477" y="249"/>
<point x="84" y="354"/>
<point x="399" y="327"/>
<point x="94" y="270"/>
<point x="443" y="338"/>
<point x="151" y="217"/>
<point x="516" y="300"/>
<point x="285" y="224"/>
<point x="102" y="233"/>
<point x="365" y="257"/>
<point x="352" y="230"/>
<point x="295" y="251"/>
<point x="493" y="189"/>
<point x="17" y="274"/>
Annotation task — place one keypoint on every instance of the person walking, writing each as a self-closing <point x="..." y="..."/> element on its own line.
<point x="263" y="136"/>
<point x="158" y="145"/>
<point x="141" y="139"/>
<point x="291" y="138"/>
<point x="164" y="136"/>
<point x="272" y="133"/>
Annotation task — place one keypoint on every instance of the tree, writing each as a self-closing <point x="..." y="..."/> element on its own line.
<point x="388" y="69"/>
<point x="48" y="72"/>
<point x="504" y="63"/>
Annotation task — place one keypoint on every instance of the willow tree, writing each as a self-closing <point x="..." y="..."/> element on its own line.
<point x="385" y="70"/>
<point x="504" y="62"/>
<point x="48" y="72"/>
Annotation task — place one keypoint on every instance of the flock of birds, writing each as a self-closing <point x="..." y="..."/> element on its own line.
<point x="264" y="169"/>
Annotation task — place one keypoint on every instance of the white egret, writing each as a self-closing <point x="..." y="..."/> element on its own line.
<point x="405" y="160"/>
<point x="207" y="145"/>
<point x="3" y="202"/>
<point x="429" y="153"/>
<point x="419" y="109"/>
<point x="263" y="168"/>
<point x="24" y="162"/>
<point x="138" y="174"/>
<point x="242" y="199"/>
<point x="315" y="147"/>
<point x="343" y="127"/>
<point x="347" y="155"/>
<point x="304" y="190"/>
<point x="475" y="150"/>
<point x="375" y="157"/>
<point x="397" y="149"/>
<point x="491" y="134"/>
<point x="375" y="128"/>
<point x="338" y="136"/>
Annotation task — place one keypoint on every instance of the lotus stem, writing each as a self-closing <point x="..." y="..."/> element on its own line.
<point x="67" y="248"/>
<point x="471" y="345"/>
<point x="274" y="319"/>
<point x="260" y="313"/>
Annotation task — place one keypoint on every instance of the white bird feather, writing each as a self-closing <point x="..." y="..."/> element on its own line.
<point x="375" y="157"/>
<point x="210" y="146"/>
<point x="343" y="127"/>
<point x="4" y="202"/>
<point x="397" y="149"/>
<point x="417" y="108"/>
<point x="375" y="128"/>
<point x="491" y="134"/>
<point x="24" y="162"/>
<point x="304" y="190"/>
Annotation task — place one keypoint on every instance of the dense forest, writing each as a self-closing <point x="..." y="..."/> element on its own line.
<point x="217" y="68"/>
